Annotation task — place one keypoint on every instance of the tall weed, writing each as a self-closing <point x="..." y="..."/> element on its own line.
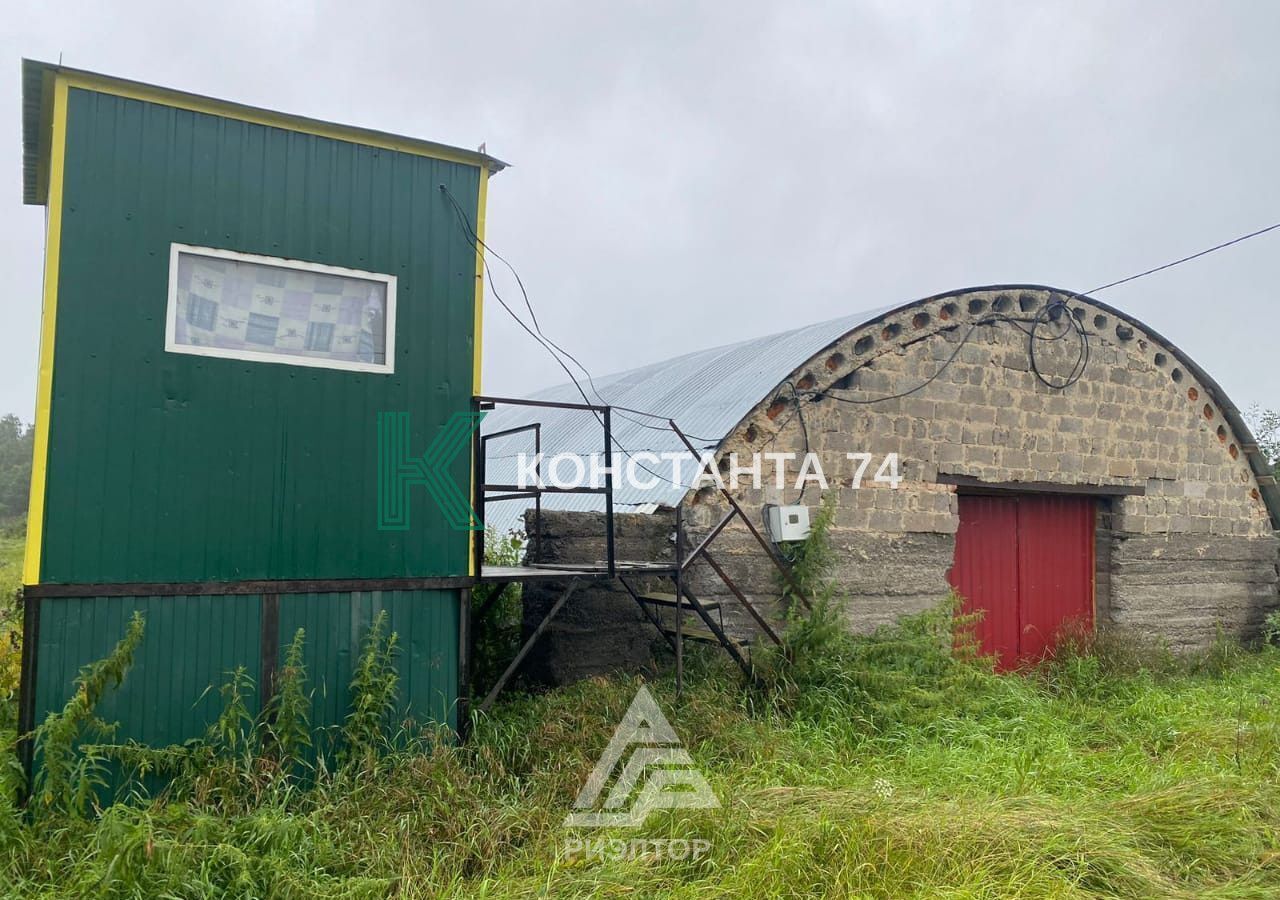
<point x="70" y="773"/>
<point x="374" y="686"/>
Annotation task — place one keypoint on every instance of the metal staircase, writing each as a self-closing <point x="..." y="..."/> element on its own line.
<point x="676" y="630"/>
<point x="683" y="601"/>
<point x="667" y="610"/>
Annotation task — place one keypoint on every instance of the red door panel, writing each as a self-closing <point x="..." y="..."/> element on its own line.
<point x="1027" y="562"/>
<point x="1055" y="569"/>
<point x="985" y="572"/>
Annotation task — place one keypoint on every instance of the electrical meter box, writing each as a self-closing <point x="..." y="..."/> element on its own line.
<point x="788" y="523"/>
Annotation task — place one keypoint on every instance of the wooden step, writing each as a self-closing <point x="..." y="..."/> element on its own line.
<point x="657" y="598"/>
<point x="702" y="634"/>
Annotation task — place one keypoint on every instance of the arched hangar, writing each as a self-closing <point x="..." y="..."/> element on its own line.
<point x="1055" y="460"/>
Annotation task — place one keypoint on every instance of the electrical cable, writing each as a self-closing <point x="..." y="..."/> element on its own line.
<point x="550" y="346"/>
<point x="1178" y="262"/>
<point x="476" y="243"/>
<point x="1053" y="312"/>
<point x="1046" y="316"/>
<point x="804" y="429"/>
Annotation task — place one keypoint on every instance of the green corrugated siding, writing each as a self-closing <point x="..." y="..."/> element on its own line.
<point x="335" y="625"/>
<point x="167" y="467"/>
<point x="192" y="644"/>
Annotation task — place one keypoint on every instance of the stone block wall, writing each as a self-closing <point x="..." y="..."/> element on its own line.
<point x="600" y="629"/>
<point x="1137" y="420"/>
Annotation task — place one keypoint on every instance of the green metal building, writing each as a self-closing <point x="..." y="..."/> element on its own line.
<point x="232" y="298"/>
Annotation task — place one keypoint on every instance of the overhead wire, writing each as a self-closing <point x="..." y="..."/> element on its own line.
<point x="552" y="347"/>
<point x="1178" y="262"/>
<point x="1047" y="313"/>
<point x="1052" y="312"/>
<point x="549" y="345"/>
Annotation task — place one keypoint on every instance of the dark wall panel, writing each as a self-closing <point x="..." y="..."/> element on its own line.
<point x="335" y="626"/>
<point x="171" y="693"/>
<point x="192" y="645"/>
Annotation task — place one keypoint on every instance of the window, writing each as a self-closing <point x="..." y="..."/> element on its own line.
<point x="262" y="309"/>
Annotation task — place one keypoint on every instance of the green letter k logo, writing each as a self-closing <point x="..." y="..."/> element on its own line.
<point x="398" y="471"/>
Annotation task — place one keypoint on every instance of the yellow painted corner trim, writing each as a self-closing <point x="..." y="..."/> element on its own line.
<point x="48" y="322"/>
<point x="482" y="198"/>
<point x="271" y="119"/>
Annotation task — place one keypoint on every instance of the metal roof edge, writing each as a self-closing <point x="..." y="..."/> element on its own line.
<point x="37" y="77"/>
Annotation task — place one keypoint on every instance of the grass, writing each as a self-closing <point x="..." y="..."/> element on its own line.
<point x="11" y="550"/>
<point x="883" y="767"/>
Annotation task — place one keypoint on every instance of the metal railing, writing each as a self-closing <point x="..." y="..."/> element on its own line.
<point x="486" y="492"/>
<point x="503" y="492"/>
<point x="736" y="511"/>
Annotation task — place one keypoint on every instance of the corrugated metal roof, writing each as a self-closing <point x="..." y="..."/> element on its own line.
<point x="708" y="392"/>
<point x="37" y="81"/>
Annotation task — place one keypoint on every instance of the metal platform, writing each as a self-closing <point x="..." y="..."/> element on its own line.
<point x="498" y="574"/>
<point x="673" y="604"/>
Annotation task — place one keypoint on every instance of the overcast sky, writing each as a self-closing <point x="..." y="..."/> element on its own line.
<point x="690" y="174"/>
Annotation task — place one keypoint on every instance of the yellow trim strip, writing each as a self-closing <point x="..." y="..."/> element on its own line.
<point x="482" y="199"/>
<point x="48" y="322"/>
<point x="229" y="110"/>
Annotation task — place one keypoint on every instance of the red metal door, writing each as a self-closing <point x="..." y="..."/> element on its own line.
<point x="1055" y="568"/>
<point x="1026" y="561"/>
<point x="985" y="572"/>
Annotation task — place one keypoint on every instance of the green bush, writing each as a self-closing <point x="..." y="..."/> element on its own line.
<point x="16" y="445"/>
<point x="1271" y="628"/>
<point x="497" y="631"/>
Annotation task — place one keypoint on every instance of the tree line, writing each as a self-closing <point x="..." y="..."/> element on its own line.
<point x="17" y="441"/>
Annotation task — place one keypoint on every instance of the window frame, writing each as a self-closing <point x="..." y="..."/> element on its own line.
<point x="171" y="344"/>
